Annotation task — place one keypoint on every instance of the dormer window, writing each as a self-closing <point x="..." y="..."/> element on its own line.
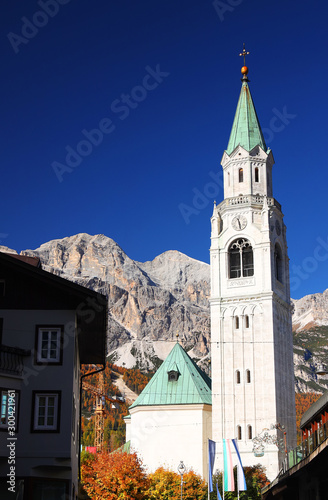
<point x="173" y="375"/>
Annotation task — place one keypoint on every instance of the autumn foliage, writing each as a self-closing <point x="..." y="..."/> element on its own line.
<point x="118" y="475"/>
<point x="121" y="475"/>
<point x="303" y="401"/>
<point x="165" y="485"/>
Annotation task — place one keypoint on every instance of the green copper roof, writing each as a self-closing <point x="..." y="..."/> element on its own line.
<point x="246" y="129"/>
<point x="192" y="387"/>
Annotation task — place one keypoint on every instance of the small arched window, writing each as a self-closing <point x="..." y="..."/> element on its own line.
<point x="257" y="175"/>
<point x="249" y="432"/>
<point x="237" y="377"/>
<point x="173" y="375"/>
<point x="248" y="376"/>
<point x="239" y="436"/>
<point x="246" y="321"/>
<point x="237" y="322"/>
<point x="241" y="175"/>
<point x="241" y="259"/>
<point x="278" y="263"/>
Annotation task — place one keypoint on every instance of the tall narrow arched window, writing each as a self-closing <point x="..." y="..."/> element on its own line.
<point x="249" y="432"/>
<point x="237" y="322"/>
<point x="239" y="436"/>
<point x="278" y="263"/>
<point x="241" y="175"/>
<point x="248" y="376"/>
<point x="246" y="321"/>
<point x="257" y="175"/>
<point x="241" y="259"/>
<point x="228" y="178"/>
<point x="237" y="377"/>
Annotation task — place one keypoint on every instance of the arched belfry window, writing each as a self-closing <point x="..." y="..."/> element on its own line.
<point x="237" y="376"/>
<point x="248" y="376"/>
<point x="241" y="259"/>
<point x="246" y="321"/>
<point x="237" y="322"/>
<point x="257" y="175"/>
<point x="241" y="175"/>
<point x="239" y="432"/>
<point x="278" y="263"/>
<point x="249" y="432"/>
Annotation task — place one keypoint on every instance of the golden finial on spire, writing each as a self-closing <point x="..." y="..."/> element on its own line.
<point x="177" y="336"/>
<point x="244" y="69"/>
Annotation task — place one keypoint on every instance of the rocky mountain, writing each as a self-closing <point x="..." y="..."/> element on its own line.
<point x="151" y="302"/>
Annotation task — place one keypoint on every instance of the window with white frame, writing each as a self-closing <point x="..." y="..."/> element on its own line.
<point x="46" y="411"/>
<point x="49" y="344"/>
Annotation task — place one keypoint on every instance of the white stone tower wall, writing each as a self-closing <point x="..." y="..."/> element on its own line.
<point x="264" y="347"/>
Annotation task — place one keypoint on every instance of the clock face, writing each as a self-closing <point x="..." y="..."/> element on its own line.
<point x="278" y="228"/>
<point x="239" y="222"/>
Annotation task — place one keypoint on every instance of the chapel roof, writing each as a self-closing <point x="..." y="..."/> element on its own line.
<point x="192" y="385"/>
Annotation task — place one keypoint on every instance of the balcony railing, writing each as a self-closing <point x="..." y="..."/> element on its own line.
<point x="11" y="359"/>
<point x="250" y="199"/>
<point x="307" y="447"/>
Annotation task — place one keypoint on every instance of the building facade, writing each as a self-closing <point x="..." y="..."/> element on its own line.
<point x="251" y="328"/>
<point x="48" y="328"/>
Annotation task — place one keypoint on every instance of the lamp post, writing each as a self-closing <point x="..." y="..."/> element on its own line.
<point x="181" y="470"/>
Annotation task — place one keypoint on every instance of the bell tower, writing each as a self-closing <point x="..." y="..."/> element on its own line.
<point x="251" y="328"/>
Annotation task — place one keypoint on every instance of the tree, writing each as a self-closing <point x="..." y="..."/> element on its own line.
<point x="255" y="477"/>
<point x="165" y="485"/>
<point x="118" y="475"/>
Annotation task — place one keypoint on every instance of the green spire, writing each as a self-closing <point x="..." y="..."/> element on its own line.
<point x="191" y="385"/>
<point x="246" y="130"/>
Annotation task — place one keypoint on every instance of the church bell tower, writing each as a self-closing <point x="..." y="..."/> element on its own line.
<point x="251" y="329"/>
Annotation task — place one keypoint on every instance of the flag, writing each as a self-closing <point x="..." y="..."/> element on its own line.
<point x="211" y="458"/>
<point x="240" y="472"/>
<point x="229" y="482"/>
<point x="217" y="490"/>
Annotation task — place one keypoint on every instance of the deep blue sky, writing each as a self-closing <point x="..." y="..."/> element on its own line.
<point x="66" y="76"/>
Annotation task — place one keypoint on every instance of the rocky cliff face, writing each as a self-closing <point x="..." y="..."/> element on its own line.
<point x="151" y="302"/>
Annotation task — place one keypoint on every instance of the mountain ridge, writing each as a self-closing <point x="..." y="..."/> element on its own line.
<point x="151" y="302"/>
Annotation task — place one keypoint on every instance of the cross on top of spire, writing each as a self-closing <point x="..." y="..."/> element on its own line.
<point x="244" y="53"/>
<point x="244" y="69"/>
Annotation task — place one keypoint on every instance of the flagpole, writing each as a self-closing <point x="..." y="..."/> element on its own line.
<point x="209" y="468"/>
<point x="237" y="482"/>
<point x="223" y="474"/>
<point x="237" y="486"/>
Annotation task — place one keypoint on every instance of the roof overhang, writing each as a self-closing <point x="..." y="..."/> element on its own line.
<point x="32" y="288"/>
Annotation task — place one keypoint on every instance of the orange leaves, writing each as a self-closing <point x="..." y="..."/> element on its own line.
<point x="165" y="485"/>
<point x="303" y="401"/>
<point x="119" y="475"/>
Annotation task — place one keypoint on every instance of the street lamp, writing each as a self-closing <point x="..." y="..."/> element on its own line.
<point x="181" y="470"/>
<point x="322" y="370"/>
